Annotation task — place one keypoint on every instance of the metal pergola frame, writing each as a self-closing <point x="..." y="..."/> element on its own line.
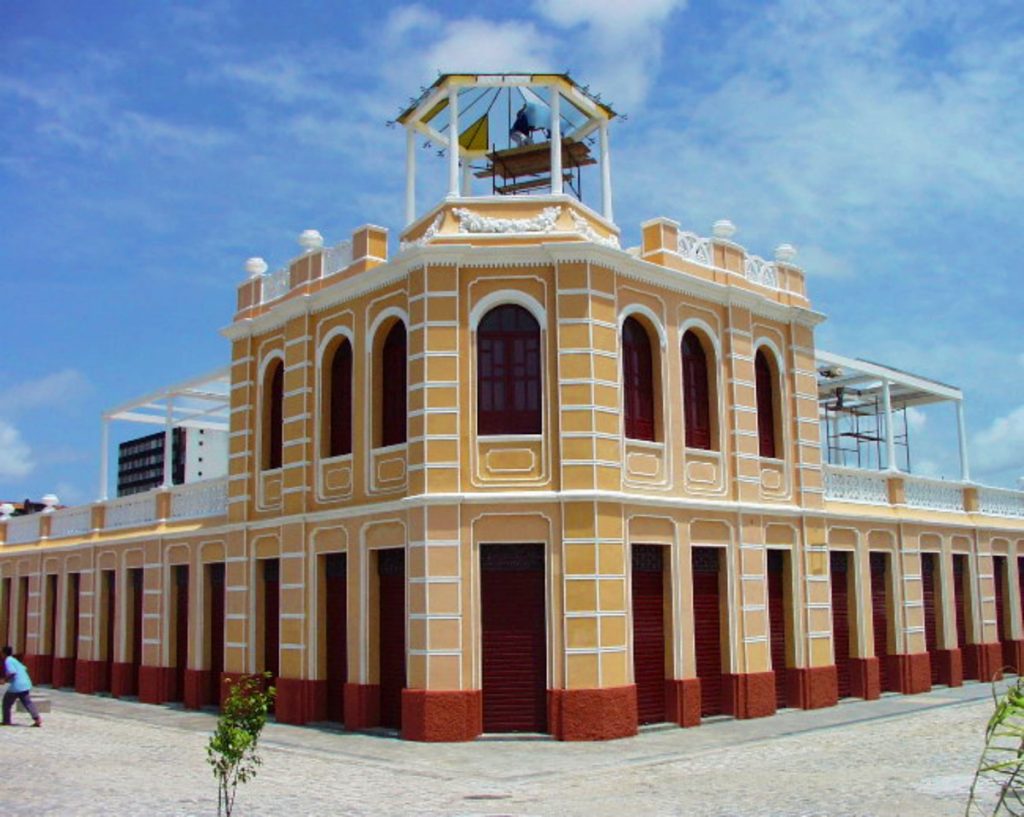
<point x="863" y="383"/>
<point x="200" y="402"/>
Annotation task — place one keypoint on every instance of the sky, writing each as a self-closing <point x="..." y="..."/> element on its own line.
<point x="148" y="149"/>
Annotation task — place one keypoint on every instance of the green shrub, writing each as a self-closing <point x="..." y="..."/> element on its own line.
<point x="233" y="748"/>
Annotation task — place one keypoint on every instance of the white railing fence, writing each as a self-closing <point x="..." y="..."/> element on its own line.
<point x="199" y="499"/>
<point x="935" y="494"/>
<point x="22" y="529"/>
<point x="854" y="485"/>
<point x="1001" y="502"/>
<point x="71" y="521"/>
<point x="137" y="509"/>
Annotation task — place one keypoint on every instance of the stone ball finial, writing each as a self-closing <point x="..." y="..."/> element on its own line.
<point x="311" y="240"/>
<point x="723" y="228"/>
<point x="51" y="501"/>
<point x="255" y="267"/>
<point x="785" y="253"/>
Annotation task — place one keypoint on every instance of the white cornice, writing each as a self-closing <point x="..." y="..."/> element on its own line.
<point x="466" y="255"/>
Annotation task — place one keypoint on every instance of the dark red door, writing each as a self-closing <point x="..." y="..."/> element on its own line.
<point x="336" y="634"/>
<point x="931" y="642"/>
<point x="839" y="565"/>
<point x="23" y="618"/>
<point x="216" y="631"/>
<point x="879" y="615"/>
<point x="110" y="616"/>
<point x="707" y="630"/>
<point x="137" y="598"/>
<point x="777" y="624"/>
<point x="1002" y="630"/>
<point x="181" y="630"/>
<point x="513" y="638"/>
<point x="50" y="647"/>
<point x="970" y="664"/>
<point x="391" y="571"/>
<point x="271" y="618"/>
<point x="8" y="612"/>
<point x="73" y="626"/>
<point x="649" y="633"/>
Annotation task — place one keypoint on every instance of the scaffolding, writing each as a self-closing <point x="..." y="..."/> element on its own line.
<point x="864" y="409"/>
<point x="854" y="429"/>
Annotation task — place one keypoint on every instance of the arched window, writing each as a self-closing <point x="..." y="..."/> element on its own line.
<point x="338" y="410"/>
<point x="696" y="396"/>
<point x="765" y="383"/>
<point x="637" y="381"/>
<point x="393" y="386"/>
<point x="508" y="372"/>
<point x="273" y="415"/>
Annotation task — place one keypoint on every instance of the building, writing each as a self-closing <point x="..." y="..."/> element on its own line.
<point x="518" y="479"/>
<point x="196" y="454"/>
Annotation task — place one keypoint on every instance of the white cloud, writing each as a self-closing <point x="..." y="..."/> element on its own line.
<point x="49" y="391"/>
<point x="15" y="455"/>
<point x="1000" y="447"/>
<point x="617" y="46"/>
<point x="916" y="419"/>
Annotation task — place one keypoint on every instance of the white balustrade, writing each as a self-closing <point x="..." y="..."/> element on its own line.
<point x="856" y="485"/>
<point x="337" y="258"/>
<point x="695" y="248"/>
<point x="137" y="509"/>
<point x="23" y="529"/>
<point x="935" y="494"/>
<point x="71" y="521"/>
<point x="199" y="499"/>
<point x="276" y="284"/>
<point x="761" y="272"/>
<point x="1001" y="502"/>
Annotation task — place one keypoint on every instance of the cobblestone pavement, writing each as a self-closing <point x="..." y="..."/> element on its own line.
<point x="911" y="756"/>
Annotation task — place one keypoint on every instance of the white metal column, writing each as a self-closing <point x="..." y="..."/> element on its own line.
<point x="606" y="173"/>
<point x="556" y="141"/>
<point x="961" y="428"/>
<point x="104" y="458"/>
<point x="410" y="176"/>
<point x="890" y="441"/>
<point x="453" y="141"/>
<point x="169" y="445"/>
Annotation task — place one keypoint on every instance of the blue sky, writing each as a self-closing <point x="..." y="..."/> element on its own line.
<point x="148" y="149"/>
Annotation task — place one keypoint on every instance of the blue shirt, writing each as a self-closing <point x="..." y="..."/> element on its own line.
<point x="21" y="682"/>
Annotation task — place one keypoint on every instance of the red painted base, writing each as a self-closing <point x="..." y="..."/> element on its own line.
<point x="299" y="701"/>
<point x="682" y="701"/>
<point x="865" y="678"/>
<point x="592" y="714"/>
<point x="63" y="672"/>
<point x="103" y="675"/>
<point x="1013" y="656"/>
<point x="85" y="676"/>
<point x="813" y="687"/>
<point x="749" y="695"/>
<point x="40" y="667"/>
<point x="447" y="716"/>
<point x="123" y="680"/>
<point x="157" y="684"/>
<point x="362" y="706"/>
<point x="951" y="668"/>
<point x="909" y="674"/>
<point x="199" y="689"/>
<point x="983" y="661"/>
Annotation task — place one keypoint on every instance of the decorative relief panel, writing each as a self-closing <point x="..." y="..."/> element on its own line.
<point x="270" y="488"/>
<point x="387" y="467"/>
<point x="473" y="222"/>
<point x="645" y="463"/>
<point x="513" y="460"/>
<point x="336" y="477"/>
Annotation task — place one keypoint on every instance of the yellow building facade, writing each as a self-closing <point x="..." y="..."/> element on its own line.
<point x="581" y="573"/>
